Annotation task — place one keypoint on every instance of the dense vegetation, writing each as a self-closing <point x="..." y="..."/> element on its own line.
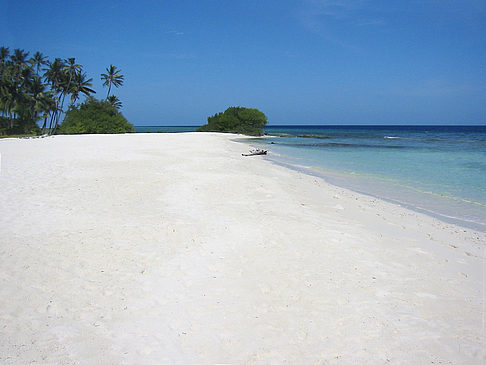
<point x="34" y="90"/>
<point x="237" y="120"/>
<point x="94" y="117"/>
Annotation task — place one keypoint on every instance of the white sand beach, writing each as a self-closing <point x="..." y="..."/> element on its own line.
<point x="175" y="249"/>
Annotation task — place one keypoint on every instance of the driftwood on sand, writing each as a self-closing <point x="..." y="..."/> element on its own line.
<point x="255" y="152"/>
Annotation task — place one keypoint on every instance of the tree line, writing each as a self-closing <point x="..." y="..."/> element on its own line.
<point x="35" y="91"/>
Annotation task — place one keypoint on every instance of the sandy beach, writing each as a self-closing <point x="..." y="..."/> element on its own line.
<point x="175" y="249"/>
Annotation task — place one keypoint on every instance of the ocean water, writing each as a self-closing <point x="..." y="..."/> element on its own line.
<point x="437" y="170"/>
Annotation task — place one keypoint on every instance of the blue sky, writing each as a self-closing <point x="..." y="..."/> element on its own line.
<point x="299" y="61"/>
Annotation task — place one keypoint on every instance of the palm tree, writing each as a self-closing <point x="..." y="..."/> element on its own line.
<point x="113" y="100"/>
<point x="112" y="77"/>
<point x="55" y="75"/>
<point x="41" y="98"/>
<point x="4" y="53"/>
<point x="33" y="89"/>
<point x="68" y="73"/>
<point x="37" y="61"/>
<point x="80" y="84"/>
<point x="71" y="68"/>
<point x="19" y="57"/>
<point x="6" y="97"/>
<point x="19" y="66"/>
<point x="46" y="106"/>
<point x="28" y="105"/>
<point x="15" y="78"/>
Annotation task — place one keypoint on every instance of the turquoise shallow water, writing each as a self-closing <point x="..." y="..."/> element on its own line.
<point x="438" y="170"/>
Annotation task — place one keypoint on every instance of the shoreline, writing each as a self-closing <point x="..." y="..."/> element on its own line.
<point x="461" y="222"/>
<point x="432" y="203"/>
<point x="174" y="248"/>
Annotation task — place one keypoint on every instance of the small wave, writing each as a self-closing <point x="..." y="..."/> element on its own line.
<point x="316" y="136"/>
<point x="391" y="137"/>
<point x="455" y="219"/>
<point x="444" y="195"/>
<point x="306" y="167"/>
<point x="267" y="134"/>
<point x="341" y="145"/>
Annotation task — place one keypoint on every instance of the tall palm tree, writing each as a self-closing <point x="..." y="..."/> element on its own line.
<point x="68" y="73"/>
<point x="4" y="53"/>
<point x="19" y="57"/>
<point x="40" y="96"/>
<point x="20" y="67"/>
<point x="7" y="87"/>
<point x="47" y="106"/>
<point x="112" y="77"/>
<point x="6" y="96"/>
<point x="5" y="80"/>
<point x="55" y="75"/>
<point x="80" y="84"/>
<point x="16" y="75"/>
<point x="71" y="68"/>
<point x="37" y="61"/>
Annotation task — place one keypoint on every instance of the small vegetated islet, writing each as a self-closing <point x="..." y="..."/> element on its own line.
<point x="240" y="120"/>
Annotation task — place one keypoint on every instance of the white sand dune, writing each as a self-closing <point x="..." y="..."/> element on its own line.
<point x="173" y="248"/>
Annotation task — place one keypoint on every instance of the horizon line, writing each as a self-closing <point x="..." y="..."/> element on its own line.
<point x="337" y="125"/>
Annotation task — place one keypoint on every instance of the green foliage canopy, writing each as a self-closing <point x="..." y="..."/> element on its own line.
<point x="94" y="117"/>
<point x="34" y="89"/>
<point x="247" y="121"/>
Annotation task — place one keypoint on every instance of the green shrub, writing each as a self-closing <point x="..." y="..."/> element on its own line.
<point x="236" y="120"/>
<point x="21" y="125"/>
<point x="94" y="117"/>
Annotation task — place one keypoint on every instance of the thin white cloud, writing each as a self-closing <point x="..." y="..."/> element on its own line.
<point x="335" y="8"/>
<point x="372" y="22"/>
<point x="169" y="55"/>
<point x="332" y="19"/>
<point x="461" y="5"/>
<point x="175" y="32"/>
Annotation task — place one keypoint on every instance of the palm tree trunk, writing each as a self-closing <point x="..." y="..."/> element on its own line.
<point x="43" y="129"/>
<point x="53" y="116"/>
<point x="11" y="118"/>
<point x="109" y="88"/>
<point x="61" y="111"/>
